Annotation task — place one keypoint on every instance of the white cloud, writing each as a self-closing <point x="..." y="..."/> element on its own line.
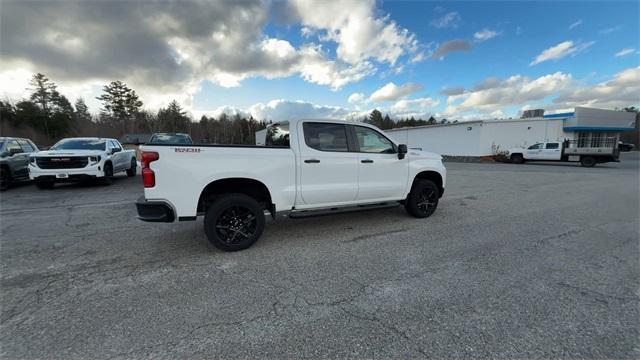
<point x="354" y="26"/>
<point x="391" y="92"/>
<point x="286" y="110"/>
<point x="495" y="94"/>
<point x="577" y="23"/>
<point x="355" y="98"/>
<point x="608" y="31"/>
<point x="623" y="90"/>
<point x="624" y="52"/>
<point x="449" y="47"/>
<point x="419" y="104"/>
<point x="448" y="20"/>
<point x="485" y="34"/>
<point x="561" y="50"/>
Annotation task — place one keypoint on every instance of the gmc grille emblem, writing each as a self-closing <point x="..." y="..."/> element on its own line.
<point x="60" y="159"/>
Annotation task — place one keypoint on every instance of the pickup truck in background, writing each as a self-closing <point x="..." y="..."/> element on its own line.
<point x="306" y="167"/>
<point x="14" y="160"/>
<point x="588" y="152"/>
<point x="77" y="159"/>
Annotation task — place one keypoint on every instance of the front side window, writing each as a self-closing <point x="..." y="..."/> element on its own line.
<point x="371" y="141"/>
<point x="553" y="146"/>
<point x="277" y="135"/>
<point x="326" y="136"/>
<point x="535" y="147"/>
<point x="80" y="144"/>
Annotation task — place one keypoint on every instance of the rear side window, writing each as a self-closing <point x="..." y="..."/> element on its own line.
<point x="325" y="136"/>
<point x="277" y="135"/>
<point x="13" y="146"/>
<point x="26" y="147"/>
<point x="553" y="145"/>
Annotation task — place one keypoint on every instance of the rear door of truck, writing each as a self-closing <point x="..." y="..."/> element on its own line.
<point x="329" y="170"/>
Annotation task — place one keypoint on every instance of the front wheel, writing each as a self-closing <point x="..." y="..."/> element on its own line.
<point x="5" y="179"/>
<point x="517" y="159"/>
<point x="108" y="174"/>
<point x="234" y="222"/>
<point x="423" y="199"/>
<point x="131" y="172"/>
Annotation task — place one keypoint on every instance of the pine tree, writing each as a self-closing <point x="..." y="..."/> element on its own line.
<point x="120" y="103"/>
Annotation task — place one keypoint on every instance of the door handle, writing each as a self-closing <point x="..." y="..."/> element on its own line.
<point x="312" y="161"/>
<point x="368" y="161"/>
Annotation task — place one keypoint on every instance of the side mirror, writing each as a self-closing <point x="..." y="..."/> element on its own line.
<point x="402" y="150"/>
<point x="115" y="150"/>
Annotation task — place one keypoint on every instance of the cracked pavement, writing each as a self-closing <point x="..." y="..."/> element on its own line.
<point x="519" y="261"/>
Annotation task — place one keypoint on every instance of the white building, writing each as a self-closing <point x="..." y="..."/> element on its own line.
<point x="485" y="137"/>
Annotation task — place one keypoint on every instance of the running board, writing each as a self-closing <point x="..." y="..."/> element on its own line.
<point x="299" y="214"/>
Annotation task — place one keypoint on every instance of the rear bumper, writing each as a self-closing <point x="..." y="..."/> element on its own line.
<point x="154" y="211"/>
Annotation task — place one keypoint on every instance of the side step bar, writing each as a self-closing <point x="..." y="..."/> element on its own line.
<point x="299" y="214"/>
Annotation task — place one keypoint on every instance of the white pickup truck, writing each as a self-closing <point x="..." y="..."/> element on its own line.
<point x="77" y="159"/>
<point x="588" y="152"/>
<point x="306" y="167"/>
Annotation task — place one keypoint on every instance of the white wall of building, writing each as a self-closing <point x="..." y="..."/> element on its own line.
<point x="504" y="134"/>
<point x="461" y="139"/>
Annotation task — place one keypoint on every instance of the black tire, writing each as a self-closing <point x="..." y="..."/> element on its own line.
<point x="107" y="179"/>
<point x="517" y="159"/>
<point x="423" y="199"/>
<point x="131" y="172"/>
<point x="588" y="161"/>
<point x="45" y="185"/>
<point x="234" y="222"/>
<point x="5" y="179"/>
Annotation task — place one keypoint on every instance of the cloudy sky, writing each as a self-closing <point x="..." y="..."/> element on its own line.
<point x="330" y="58"/>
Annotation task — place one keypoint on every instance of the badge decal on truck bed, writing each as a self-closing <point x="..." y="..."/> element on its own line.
<point x="188" y="150"/>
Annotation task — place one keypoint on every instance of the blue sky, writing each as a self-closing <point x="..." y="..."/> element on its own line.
<point x="501" y="57"/>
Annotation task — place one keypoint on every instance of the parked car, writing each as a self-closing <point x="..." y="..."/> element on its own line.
<point x="588" y="152"/>
<point x="14" y="160"/>
<point x="306" y="167"/>
<point x="625" y="147"/>
<point x="170" y="138"/>
<point x="76" y="159"/>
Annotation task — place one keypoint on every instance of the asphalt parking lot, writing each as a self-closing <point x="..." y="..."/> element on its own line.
<point x="519" y="261"/>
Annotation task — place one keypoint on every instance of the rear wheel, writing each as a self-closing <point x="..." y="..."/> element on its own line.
<point x="234" y="222"/>
<point x="423" y="199"/>
<point x="108" y="174"/>
<point x="132" y="170"/>
<point x="517" y="159"/>
<point x="44" y="184"/>
<point x="588" y="161"/>
<point x="5" y="179"/>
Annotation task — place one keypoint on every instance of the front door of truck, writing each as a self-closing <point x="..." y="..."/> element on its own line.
<point x="329" y="171"/>
<point x="381" y="174"/>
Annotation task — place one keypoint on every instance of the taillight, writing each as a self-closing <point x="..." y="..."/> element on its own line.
<point x="148" y="176"/>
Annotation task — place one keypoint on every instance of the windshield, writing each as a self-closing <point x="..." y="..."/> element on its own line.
<point x="80" y="144"/>
<point x="171" y="139"/>
<point x="1" y="144"/>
